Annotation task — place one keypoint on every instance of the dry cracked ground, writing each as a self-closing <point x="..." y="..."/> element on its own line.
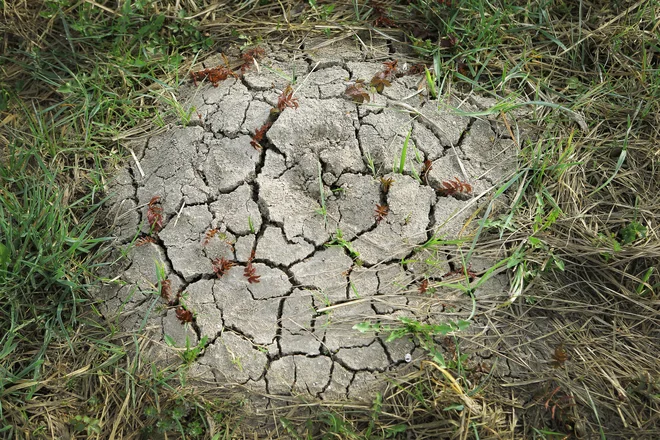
<point x="291" y="332"/>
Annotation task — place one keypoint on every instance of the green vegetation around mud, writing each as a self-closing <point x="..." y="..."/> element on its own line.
<point x="574" y="226"/>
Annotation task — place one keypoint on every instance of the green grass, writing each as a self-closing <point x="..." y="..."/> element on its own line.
<point x="49" y="253"/>
<point x="404" y="152"/>
<point x="579" y="231"/>
<point x="64" y="102"/>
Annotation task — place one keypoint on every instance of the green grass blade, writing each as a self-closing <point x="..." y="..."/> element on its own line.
<point x="404" y="152"/>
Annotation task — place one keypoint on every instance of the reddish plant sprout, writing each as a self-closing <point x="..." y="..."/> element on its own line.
<point x="145" y="240"/>
<point x="259" y="135"/>
<point x="249" y="56"/>
<point x="558" y="403"/>
<point x="209" y="236"/>
<point x="221" y="266"/>
<point x="381" y="212"/>
<point x="416" y="69"/>
<point x="463" y="68"/>
<point x="462" y="272"/>
<point x="380" y="81"/>
<point x="166" y="290"/>
<point x="250" y="271"/>
<point x="390" y="67"/>
<point x="423" y="286"/>
<point x="384" y="21"/>
<point x="286" y="99"/>
<point x="214" y="74"/>
<point x="386" y="184"/>
<point x="357" y="93"/>
<point x="155" y="215"/>
<point x="456" y="186"/>
<point x="184" y="315"/>
<point x="559" y="357"/>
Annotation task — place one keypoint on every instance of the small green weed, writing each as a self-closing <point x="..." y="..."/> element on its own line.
<point x="632" y="232"/>
<point x="404" y="152"/>
<point x="370" y="163"/>
<point x="87" y="424"/>
<point x="430" y="84"/>
<point x="339" y="241"/>
<point x="422" y="333"/>
<point x="323" y="12"/>
<point x="191" y="353"/>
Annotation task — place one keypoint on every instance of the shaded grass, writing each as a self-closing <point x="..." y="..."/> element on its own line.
<point x="76" y="77"/>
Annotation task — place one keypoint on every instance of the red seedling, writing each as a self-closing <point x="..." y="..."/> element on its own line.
<point x="390" y="67"/>
<point x="386" y="183"/>
<point x="155" y="215"/>
<point x="221" y="266"/>
<point x="250" y="271"/>
<point x="384" y="21"/>
<point x="381" y="212"/>
<point x="559" y="357"/>
<point x="249" y="56"/>
<point x="380" y="81"/>
<point x="183" y="315"/>
<point x="259" y="135"/>
<point x="166" y="290"/>
<point x="423" y="286"/>
<point x="463" y="68"/>
<point x="357" y="93"/>
<point x="286" y="99"/>
<point x="456" y="186"/>
<point x="462" y="272"/>
<point x="416" y="69"/>
<point x="214" y="75"/>
<point x="209" y="235"/>
<point x="145" y="240"/>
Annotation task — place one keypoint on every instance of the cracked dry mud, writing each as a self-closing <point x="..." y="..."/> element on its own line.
<point x="270" y="336"/>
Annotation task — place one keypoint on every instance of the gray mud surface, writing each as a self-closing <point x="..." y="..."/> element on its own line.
<point x="292" y="332"/>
